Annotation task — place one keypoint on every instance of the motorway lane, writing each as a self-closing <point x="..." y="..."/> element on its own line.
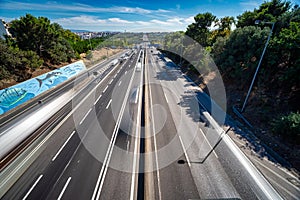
<point x="12" y="133"/>
<point x="222" y="175"/>
<point x="173" y="179"/>
<point x="81" y="153"/>
<point x="186" y="93"/>
<point x="209" y="177"/>
<point x="120" y="181"/>
<point x="210" y="180"/>
<point x="78" y="170"/>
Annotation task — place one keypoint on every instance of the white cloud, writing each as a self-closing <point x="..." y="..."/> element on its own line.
<point x="7" y="19"/>
<point x="175" y="20"/>
<point x="143" y="23"/>
<point x="162" y="11"/>
<point x="118" y="20"/>
<point x="77" y="7"/>
<point x="83" y="20"/>
<point x="94" y="23"/>
<point x="159" y="22"/>
<point x="250" y="5"/>
<point x="130" y="10"/>
<point x="189" y="20"/>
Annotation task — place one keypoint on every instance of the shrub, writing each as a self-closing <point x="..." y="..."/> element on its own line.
<point x="288" y="126"/>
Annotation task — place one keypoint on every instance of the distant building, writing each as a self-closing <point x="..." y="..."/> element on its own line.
<point x="3" y="29"/>
<point x="89" y="35"/>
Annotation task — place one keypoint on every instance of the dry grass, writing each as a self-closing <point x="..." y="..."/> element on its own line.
<point x="98" y="55"/>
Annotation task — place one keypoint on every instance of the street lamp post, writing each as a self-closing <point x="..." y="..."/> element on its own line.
<point x="90" y="35"/>
<point x="259" y="63"/>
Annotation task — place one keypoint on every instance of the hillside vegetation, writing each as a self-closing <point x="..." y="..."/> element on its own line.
<point x="273" y="105"/>
<point x="36" y="44"/>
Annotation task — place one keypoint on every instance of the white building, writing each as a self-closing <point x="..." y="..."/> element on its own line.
<point x="3" y="29"/>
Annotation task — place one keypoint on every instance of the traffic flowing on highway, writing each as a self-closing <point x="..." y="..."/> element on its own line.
<point x="133" y="126"/>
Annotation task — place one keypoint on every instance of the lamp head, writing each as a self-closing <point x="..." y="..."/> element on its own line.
<point x="257" y="22"/>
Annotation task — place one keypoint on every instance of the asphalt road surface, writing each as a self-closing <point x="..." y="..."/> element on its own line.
<point x="74" y="158"/>
<point x="139" y="131"/>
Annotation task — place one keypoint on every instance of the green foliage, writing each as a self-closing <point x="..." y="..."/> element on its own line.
<point x="42" y="37"/>
<point x="218" y="47"/>
<point x="82" y="46"/>
<point x="14" y="61"/>
<point x="238" y="56"/>
<point x="286" y="50"/>
<point x="37" y="41"/>
<point x="288" y="126"/>
<point x="267" y="11"/>
<point x="199" y="30"/>
<point x="194" y="57"/>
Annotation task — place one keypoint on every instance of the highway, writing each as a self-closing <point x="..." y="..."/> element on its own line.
<point x="74" y="159"/>
<point x="187" y="163"/>
<point x="137" y="130"/>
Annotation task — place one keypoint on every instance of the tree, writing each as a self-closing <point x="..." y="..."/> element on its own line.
<point x="19" y="63"/>
<point x="241" y="52"/>
<point x="199" y="30"/>
<point x="267" y="11"/>
<point x="225" y="23"/>
<point x="286" y="50"/>
<point x="224" y="29"/>
<point x="39" y="35"/>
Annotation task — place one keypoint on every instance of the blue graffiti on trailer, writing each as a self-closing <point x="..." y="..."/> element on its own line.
<point x="18" y="94"/>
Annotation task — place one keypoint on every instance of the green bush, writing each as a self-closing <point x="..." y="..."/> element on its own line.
<point x="288" y="126"/>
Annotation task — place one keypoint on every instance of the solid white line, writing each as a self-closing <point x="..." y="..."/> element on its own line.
<point x="35" y="183"/>
<point x="85" y="116"/>
<point x="283" y="188"/>
<point x="102" y="174"/>
<point x="105" y="89"/>
<point x="64" y="188"/>
<point x="108" y="103"/>
<point x="184" y="150"/>
<point x="134" y="165"/>
<point x="38" y="147"/>
<point x="127" y="146"/>
<point x="155" y="145"/>
<point x="275" y="173"/>
<point x="166" y="97"/>
<point x="97" y="99"/>
<point x="259" y="179"/>
<point x="208" y="142"/>
<point x="119" y="83"/>
<point x="61" y="148"/>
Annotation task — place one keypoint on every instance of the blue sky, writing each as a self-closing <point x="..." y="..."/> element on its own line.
<point x="121" y="15"/>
